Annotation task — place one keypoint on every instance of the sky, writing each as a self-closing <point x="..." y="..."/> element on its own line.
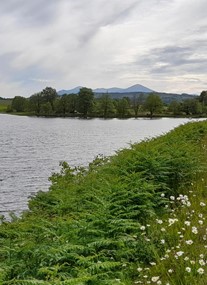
<point x="161" y="44"/>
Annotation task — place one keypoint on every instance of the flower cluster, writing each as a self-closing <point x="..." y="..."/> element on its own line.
<point x="186" y="252"/>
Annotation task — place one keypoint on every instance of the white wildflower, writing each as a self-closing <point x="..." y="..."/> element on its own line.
<point x="152" y="263"/>
<point x="189" y="242"/>
<point x="201" y="262"/>
<point x="194" y="230"/>
<point x="172" y="221"/>
<point x="188" y="269"/>
<point x="179" y="253"/>
<point x="200" y="270"/>
<point x="155" y="278"/>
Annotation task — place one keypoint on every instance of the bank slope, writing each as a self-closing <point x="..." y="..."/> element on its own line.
<point x="135" y="218"/>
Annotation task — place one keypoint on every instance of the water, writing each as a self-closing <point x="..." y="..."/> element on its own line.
<point x="31" y="149"/>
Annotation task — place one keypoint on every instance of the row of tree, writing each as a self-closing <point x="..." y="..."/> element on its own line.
<point x="49" y="103"/>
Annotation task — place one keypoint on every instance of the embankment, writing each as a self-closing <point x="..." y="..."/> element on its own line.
<point x="114" y="222"/>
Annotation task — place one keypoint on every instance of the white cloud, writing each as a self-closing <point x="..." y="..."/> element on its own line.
<point x="102" y="43"/>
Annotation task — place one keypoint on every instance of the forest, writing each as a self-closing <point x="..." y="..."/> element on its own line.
<point x="87" y="104"/>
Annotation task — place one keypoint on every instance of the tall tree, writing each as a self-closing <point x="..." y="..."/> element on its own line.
<point x="85" y="100"/>
<point x="105" y="105"/>
<point x="191" y="107"/>
<point x="66" y="104"/>
<point x="19" y="103"/>
<point x="122" y="107"/>
<point x="153" y="104"/>
<point x="203" y="100"/>
<point x="35" y="102"/>
<point x="137" y="102"/>
<point x="175" y="107"/>
<point x="49" y="95"/>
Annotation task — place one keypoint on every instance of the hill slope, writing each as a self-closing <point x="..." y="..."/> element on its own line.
<point x="129" y="219"/>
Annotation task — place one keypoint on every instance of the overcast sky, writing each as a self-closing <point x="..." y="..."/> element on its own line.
<point x="161" y="44"/>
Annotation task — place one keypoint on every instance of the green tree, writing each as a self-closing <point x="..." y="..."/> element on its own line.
<point x="35" y="102"/>
<point x="203" y="100"/>
<point x="203" y="97"/>
<point x="19" y="104"/>
<point x="66" y="104"/>
<point x="175" y="107"/>
<point x="137" y="102"/>
<point x="153" y="104"/>
<point x="122" y="107"/>
<point x="85" y="101"/>
<point x="191" y="107"/>
<point x="49" y="95"/>
<point x="106" y="106"/>
<point x="46" y="109"/>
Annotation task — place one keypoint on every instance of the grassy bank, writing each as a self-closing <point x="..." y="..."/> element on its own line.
<point x="135" y="218"/>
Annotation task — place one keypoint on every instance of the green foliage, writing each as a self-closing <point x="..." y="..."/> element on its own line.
<point x="175" y="107"/>
<point x="191" y="107"/>
<point x="203" y="97"/>
<point x="49" y="95"/>
<point x="122" y="107"/>
<point x="97" y="225"/>
<point x="19" y="104"/>
<point x="5" y="104"/>
<point x="86" y="104"/>
<point x="105" y="106"/>
<point x="153" y="104"/>
<point x="85" y="100"/>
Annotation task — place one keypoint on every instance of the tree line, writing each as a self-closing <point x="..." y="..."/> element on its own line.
<point x="85" y="104"/>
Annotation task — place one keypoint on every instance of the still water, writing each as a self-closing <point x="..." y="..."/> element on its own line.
<point x="31" y="149"/>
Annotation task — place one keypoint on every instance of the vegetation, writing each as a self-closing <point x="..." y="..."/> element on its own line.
<point x="4" y="104"/>
<point x="154" y="104"/>
<point x="134" y="218"/>
<point x="87" y="104"/>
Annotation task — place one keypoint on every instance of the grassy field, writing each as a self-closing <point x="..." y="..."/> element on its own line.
<point x="4" y="104"/>
<point x="138" y="217"/>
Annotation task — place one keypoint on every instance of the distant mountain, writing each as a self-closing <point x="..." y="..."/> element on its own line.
<point x="132" y="89"/>
<point x="130" y="92"/>
<point x="71" y="91"/>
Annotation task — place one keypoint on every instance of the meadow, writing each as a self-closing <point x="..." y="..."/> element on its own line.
<point x="4" y="103"/>
<point x="138" y="217"/>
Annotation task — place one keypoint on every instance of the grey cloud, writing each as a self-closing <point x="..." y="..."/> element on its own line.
<point x="172" y="59"/>
<point x="30" y="12"/>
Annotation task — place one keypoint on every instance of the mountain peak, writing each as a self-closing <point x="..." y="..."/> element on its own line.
<point x="131" y="89"/>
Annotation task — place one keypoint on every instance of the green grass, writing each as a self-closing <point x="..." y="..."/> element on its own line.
<point x="123" y="220"/>
<point x="4" y="103"/>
